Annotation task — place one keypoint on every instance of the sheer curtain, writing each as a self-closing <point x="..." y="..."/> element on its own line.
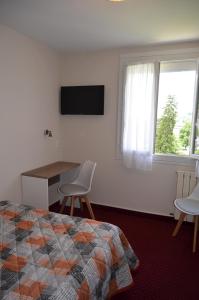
<point x="138" y="116"/>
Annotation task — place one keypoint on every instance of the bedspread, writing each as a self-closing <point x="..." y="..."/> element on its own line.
<point x="49" y="256"/>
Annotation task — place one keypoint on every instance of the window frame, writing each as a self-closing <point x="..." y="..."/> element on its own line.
<point x="156" y="57"/>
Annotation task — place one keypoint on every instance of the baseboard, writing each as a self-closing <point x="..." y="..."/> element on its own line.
<point x="131" y="212"/>
<point x="124" y="211"/>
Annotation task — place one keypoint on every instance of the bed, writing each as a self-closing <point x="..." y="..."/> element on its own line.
<point x="49" y="256"/>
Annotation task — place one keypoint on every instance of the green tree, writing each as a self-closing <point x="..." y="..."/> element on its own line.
<point x="185" y="133"/>
<point x="166" y="141"/>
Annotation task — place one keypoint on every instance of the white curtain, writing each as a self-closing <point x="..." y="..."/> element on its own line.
<point x="197" y="168"/>
<point x="138" y="116"/>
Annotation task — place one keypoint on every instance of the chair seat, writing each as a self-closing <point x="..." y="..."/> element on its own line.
<point x="70" y="189"/>
<point x="188" y="206"/>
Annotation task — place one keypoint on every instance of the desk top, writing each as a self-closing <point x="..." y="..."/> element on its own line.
<point x="51" y="170"/>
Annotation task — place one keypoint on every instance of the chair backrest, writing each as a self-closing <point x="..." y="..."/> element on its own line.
<point x="86" y="174"/>
<point x="195" y="193"/>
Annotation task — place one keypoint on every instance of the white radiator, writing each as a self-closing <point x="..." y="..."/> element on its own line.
<point x="186" y="180"/>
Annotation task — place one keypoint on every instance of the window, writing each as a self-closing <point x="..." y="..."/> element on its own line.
<point x="160" y="114"/>
<point x="175" y="107"/>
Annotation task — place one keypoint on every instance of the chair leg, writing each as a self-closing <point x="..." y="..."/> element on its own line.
<point x="195" y="233"/>
<point x="180" y="221"/>
<point x="72" y="206"/>
<point x="89" y="207"/>
<point x="63" y="204"/>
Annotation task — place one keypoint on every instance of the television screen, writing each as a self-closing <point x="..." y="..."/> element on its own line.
<point x="82" y="100"/>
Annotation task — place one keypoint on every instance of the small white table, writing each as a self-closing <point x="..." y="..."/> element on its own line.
<point x="39" y="186"/>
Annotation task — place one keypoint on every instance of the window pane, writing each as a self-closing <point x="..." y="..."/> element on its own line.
<point x="175" y="107"/>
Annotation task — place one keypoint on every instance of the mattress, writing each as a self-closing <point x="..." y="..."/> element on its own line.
<point x="49" y="256"/>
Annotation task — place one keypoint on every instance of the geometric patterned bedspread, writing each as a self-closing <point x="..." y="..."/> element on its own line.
<point x="49" y="256"/>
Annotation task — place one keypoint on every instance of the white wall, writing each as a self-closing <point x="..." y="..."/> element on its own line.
<point x="94" y="137"/>
<point x="29" y="88"/>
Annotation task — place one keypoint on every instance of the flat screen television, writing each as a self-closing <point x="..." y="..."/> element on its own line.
<point x="82" y="100"/>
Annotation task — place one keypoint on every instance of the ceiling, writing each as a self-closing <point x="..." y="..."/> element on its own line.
<point x="90" y="25"/>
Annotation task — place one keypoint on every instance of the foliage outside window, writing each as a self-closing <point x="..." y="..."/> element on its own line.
<point x="166" y="141"/>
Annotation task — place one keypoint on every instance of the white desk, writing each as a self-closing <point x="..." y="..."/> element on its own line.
<point x="39" y="186"/>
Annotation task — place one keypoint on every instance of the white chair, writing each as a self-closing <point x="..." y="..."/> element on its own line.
<point x="188" y="206"/>
<point x="79" y="187"/>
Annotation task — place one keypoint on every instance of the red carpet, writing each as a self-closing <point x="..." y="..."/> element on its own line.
<point x="168" y="270"/>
